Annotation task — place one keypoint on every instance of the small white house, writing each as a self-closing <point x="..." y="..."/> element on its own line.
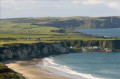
<point x="95" y="47"/>
<point x="72" y="47"/>
<point x="89" y="47"/>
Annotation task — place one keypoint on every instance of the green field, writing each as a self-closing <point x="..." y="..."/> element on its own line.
<point x="21" y="29"/>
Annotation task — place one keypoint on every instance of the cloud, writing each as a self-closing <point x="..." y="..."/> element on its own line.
<point x="75" y="1"/>
<point x="92" y="2"/>
<point x="36" y="8"/>
<point x="114" y="5"/>
<point x="109" y="3"/>
<point x="21" y="5"/>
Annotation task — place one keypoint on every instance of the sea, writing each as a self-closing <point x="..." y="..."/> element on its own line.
<point x="86" y="65"/>
<point x="106" y="32"/>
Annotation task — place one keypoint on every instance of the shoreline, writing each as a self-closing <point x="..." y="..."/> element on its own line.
<point x="29" y="70"/>
<point x="62" y="70"/>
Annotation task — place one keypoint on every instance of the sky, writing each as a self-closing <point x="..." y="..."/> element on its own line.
<point x="58" y="8"/>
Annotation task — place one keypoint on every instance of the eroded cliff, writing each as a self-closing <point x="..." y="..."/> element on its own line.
<point x="94" y="45"/>
<point x="13" y="51"/>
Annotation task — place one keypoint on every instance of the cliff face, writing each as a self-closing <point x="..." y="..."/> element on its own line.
<point x="15" y="51"/>
<point x="33" y="50"/>
<point x="100" y="45"/>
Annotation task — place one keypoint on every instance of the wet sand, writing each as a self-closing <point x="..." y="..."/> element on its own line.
<point x="30" y="71"/>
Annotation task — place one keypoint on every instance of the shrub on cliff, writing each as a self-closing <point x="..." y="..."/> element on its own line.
<point x="6" y="73"/>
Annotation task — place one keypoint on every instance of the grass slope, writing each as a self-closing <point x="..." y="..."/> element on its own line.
<point x="6" y="73"/>
<point x="17" y="30"/>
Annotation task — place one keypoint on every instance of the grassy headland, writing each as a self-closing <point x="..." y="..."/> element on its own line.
<point x="46" y="29"/>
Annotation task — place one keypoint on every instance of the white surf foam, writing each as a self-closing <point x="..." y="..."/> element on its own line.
<point x="49" y="62"/>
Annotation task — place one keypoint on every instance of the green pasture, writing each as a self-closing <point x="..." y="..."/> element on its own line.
<point x="24" y="28"/>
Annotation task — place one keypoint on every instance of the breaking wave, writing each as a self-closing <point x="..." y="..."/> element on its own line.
<point x="49" y="62"/>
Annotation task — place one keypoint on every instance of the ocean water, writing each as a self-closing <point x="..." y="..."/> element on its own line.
<point x="97" y="65"/>
<point x="108" y="32"/>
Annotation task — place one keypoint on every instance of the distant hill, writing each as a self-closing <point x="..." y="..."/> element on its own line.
<point x="71" y="22"/>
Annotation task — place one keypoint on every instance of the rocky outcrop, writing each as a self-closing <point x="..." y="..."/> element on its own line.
<point x="15" y="51"/>
<point x="94" y="45"/>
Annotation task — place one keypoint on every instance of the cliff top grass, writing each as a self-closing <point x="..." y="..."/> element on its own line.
<point x="18" y="30"/>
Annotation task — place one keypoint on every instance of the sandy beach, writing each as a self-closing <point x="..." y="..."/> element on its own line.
<point x="30" y="71"/>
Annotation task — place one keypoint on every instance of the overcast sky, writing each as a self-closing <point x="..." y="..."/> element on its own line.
<point x="58" y="8"/>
